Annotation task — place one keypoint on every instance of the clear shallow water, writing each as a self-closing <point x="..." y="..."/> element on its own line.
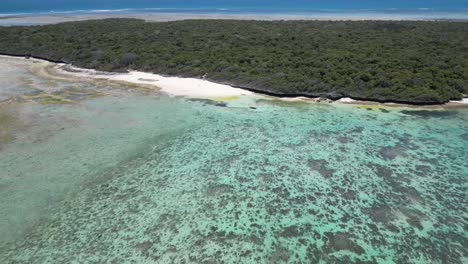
<point x="147" y="178"/>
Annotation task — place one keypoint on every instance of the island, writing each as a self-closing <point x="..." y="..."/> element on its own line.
<point x="414" y="62"/>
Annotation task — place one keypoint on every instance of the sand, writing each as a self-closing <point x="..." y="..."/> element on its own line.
<point x="346" y="100"/>
<point x="464" y="101"/>
<point x="48" y="18"/>
<point x="196" y="88"/>
<point x="175" y="86"/>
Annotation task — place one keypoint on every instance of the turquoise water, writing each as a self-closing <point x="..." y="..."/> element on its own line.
<point x="145" y="178"/>
<point x="262" y="6"/>
<point x="319" y="9"/>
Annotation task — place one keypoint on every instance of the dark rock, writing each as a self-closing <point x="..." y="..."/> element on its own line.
<point x="221" y="104"/>
<point x="209" y="102"/>
<point x="144" y="246"/>
<point x="390" y="153"/>
<point x="279" y="255"/>
<point x="357" y="130"/>
<point x="219" y="189"/>
<point x="291" y="231"/>
<point x="429" y="113"/>
<point x="393" y="228"/>
<point x="322" y="167"/>
<point x="342" y="241"/>
<point x="414" y="217"/>
<point x="349" y="195"/>
<point x="344" y="140"/>
<point x="382" y="214"/>
<point x="382" y="171"/>
<point x="465" y="136"/>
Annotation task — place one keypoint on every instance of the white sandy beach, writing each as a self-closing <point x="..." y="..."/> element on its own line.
<point x="346" y="100"/>
<point x="175" y="86"/>
<point x="193" y="87"/>
<point x="464" y="101"/>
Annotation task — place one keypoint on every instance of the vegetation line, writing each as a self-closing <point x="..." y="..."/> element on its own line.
<point x="411" y="62"/>
<point x="334" y="98"/>
<point x="29" y="56"/>
<point x="274" y="94"/>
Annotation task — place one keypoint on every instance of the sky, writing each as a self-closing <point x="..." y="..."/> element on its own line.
<point x="66" y="5"/>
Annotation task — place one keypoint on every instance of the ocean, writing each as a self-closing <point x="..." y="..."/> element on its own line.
<point x="448" y="9"/>
<point x="96" y="172"/>
<point x="101" y="172"/>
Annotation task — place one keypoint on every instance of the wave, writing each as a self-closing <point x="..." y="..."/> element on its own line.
<point x="239" y="10"/>
<point x="14" y="14"/>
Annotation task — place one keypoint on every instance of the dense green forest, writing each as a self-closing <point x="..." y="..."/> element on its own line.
<point x="414" y="62"/>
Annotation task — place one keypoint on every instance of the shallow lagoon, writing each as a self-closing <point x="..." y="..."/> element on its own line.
<point x="129" y="176"/>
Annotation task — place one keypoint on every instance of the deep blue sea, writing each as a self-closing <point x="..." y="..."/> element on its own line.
<point x="233" y="6"/>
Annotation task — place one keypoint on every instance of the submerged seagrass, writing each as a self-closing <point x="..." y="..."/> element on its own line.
<point x="413" y="62"/>
<point x="144" y="178"/>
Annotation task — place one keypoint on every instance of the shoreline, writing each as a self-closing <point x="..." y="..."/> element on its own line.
<point x="54" y="18"/>
<point x="172" y="85"/>
<point x="208" y="89"/>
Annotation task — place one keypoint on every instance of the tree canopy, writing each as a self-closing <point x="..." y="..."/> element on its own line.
<point x="401" y="61"/>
